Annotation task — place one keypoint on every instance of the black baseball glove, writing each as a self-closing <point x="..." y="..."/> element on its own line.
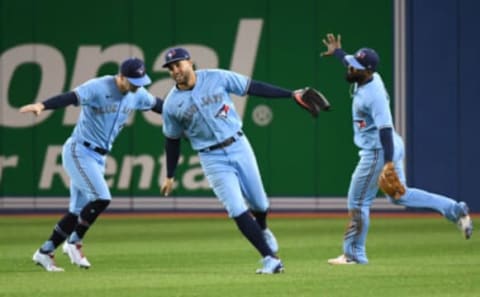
<point x="311" y="100"/>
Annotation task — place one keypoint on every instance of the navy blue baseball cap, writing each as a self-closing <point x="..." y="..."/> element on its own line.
<point x="134" y="70"/>
<point x="176" y="54"/>
<point x="364" y="59"/>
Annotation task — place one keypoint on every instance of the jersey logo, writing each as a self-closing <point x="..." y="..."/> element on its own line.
<point x="223" y="112"/>
<point x="188" y="113"/>
<point x="361" y="124"/>
<point x="210" y="100"/>
<point x="111" y="108"/>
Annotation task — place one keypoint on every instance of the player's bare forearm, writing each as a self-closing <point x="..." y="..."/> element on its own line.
<point x="36" y="108"/>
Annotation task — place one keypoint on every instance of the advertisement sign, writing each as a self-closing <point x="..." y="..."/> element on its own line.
<point x="50" y="47"/>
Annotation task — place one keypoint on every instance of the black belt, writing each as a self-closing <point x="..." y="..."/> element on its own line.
<point x="222" y="144"/>
<point x="99" y="150"/>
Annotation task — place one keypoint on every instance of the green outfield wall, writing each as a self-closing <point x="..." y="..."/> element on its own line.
<point x="49" y="47"/>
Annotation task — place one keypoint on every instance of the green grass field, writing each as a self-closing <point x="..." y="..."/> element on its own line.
<point x="155" y="256"/>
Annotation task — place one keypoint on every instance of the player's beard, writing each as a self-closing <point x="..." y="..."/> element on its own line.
<point x="133" y="88"/>
<point x="354" y="77"/>
<point x="182" y="80"/>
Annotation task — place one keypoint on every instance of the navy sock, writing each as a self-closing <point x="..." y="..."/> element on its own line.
<point x="61" y="231"/>
<point x="251" y="230"/>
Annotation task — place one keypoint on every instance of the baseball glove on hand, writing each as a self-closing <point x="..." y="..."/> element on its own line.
<point x="311" y="100"/>
<point x="389" y="182"/>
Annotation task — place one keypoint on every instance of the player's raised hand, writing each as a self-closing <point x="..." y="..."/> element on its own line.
<point x="332" y="43"/>
<point x="36" y="108"/>
<point x="167" y="186"/>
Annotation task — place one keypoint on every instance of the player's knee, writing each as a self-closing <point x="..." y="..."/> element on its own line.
<point x="262" y="206"/>
<point x="398" y="201"/>
<point x="75" y="210"/>
<point x="93" y="209"/>
<point x="234" y="212"/>
<point x="100" y="204"/>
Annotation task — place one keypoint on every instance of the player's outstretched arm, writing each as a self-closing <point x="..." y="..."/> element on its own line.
<point x="55" y="102"/>
<point x="266" y="90"/>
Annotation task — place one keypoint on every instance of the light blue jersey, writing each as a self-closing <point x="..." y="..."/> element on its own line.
<point x="370" y="113"/>
<point x="105" y="110"/>
<point x="206" y="114"/>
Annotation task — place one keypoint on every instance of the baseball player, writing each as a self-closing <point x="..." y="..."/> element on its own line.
<point x="106" y="102"/>
<point x="381" y="148"/>
<point x="200" y="108"/>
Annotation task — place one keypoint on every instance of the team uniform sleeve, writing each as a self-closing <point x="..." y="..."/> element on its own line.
<point x="386" y="139"/>
<point x="158" y="107"/>
<point x="381" y="114"/>
<point x="262" y="89"/>
<point x="172" y="128"/>
<point x="85" y="92"/>
<point x="62" y="100"/>
<point x="235" y="83"/>
<point x="382" y="118"/>
<point x="147" y="100"/>
<point x="172" y="149"/>
<point x="340" y="55"/>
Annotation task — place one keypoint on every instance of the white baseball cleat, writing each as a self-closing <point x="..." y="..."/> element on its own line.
<point x="65" y="248"/>
<point x="74" y="251"/>
<point x="464" y="222"/>
<point x="271" y="240"/>
<point x="271" y="265"/>
<point x="465" y="225"/>
<point x="341" y="260"/>
<point x="47" y="261"/>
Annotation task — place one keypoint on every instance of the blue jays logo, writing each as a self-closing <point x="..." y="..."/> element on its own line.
<point x="141" y="71"/>
<point x="223" y="112"/>
<point x="170" y="54"/>
<point x="360" y="55"/>
<point x="361" y="124"/>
